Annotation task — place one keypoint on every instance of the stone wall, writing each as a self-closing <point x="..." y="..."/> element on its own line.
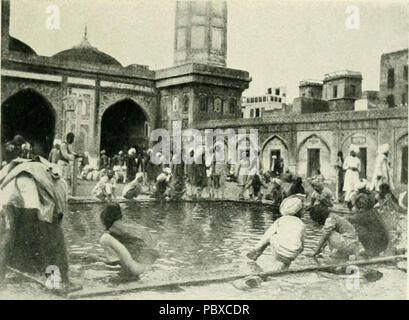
<point x="309" y="105"/>
<point x="329" y="132"/>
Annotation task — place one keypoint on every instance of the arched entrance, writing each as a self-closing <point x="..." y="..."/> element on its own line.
<point x="274" y="145"/>
<point x="123" y="127"/>
<point x="29" y="114"/>
<point x="314" y="154"/>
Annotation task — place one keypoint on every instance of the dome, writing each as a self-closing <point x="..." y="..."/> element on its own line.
<point x="19" y="46"/>
<point x="86" y="53"/>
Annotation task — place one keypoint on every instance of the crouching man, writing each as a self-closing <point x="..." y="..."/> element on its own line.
<point x="286" y="236"/>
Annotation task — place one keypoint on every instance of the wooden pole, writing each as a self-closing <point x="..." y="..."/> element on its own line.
<point x="163" y="285"/>
<point x="74" y="178"/>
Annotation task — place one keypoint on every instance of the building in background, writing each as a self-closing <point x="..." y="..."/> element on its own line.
<point x="114" y="107"/>
<point x="272" y="101"/>
<point x="341" y="89"/>
<point x="393" y="85"/>
<point x="111" y="106"/>
<point x="369" y="100"/>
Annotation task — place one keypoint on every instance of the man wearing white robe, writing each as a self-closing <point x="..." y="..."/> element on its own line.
<point x="352" y="165"/>
<point x="382" y="171"/>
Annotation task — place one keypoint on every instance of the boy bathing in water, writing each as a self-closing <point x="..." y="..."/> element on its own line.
<point x="124" y="242"/>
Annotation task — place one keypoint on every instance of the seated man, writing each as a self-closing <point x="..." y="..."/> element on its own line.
<point x="321" y="196"/>
<point x="372" y="231"/>
<point x="286" y="236"/>
<point x="105" y="188"/>
<point x="338" y="233"/>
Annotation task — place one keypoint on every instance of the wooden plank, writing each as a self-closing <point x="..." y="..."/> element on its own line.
<point x="204" y="281"/>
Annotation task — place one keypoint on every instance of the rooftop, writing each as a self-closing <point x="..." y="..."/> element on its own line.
<point x="342" y="74"/>
<point x="310" y="82"/>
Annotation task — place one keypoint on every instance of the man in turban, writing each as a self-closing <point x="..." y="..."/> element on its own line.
<point x="382" y="171"/>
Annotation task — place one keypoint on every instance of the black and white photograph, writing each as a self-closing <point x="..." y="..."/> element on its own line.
<point x="204" y="150"/>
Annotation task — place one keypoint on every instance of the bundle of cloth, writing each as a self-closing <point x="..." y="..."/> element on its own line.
<point x="32" y="203"/>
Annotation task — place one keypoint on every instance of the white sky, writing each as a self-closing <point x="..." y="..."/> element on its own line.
<point x="278" y="42"/>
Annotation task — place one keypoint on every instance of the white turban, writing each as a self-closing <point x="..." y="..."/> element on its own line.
<point x="131" y="151"/>
<point x="57" y="141"/>
<point x="291" y="206"/>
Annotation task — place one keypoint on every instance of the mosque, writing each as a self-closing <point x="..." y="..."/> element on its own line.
<point x="110" y="106"/>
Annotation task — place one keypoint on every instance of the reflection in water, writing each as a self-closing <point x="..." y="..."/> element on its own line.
<point x="200" y="236"/>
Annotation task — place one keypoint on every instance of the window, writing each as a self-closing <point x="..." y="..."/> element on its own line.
<point x="269" y="91"/>
<point x="218" y="105"/>
<point x="313" y="162"/>
<point x="257" y="113"/>
<point x="275" y="99"/>
<point x="252" y="100"/>
<point x="334" y="91"/>
<point x="185" y="107"/>
<point x="390" y="100"/>
<point x="391" y="78"/>
<point x="203" y="103"/>
<point x="405" y="72"/>
<point x="166" y="102"/>
<point x="271" y="99"/>
<point x="181" y="39"/>
<point x="353" y="90"/>
<point x="232" y="105"/>
<point x="279" y="99"/>
<point x="248" y="100"/>
<point x="252" y="113"/>
<point x="175" y="104"/>
<point x="277" y="91"/>
<point x="197" y="37"/>
<point x="217" y="36"/>
<point x="404" y="99"/>
<point x="264" y="99"/>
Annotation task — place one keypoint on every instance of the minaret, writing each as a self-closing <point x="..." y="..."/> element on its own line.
<point x="5" y="26"/>
<point x="200" y="32"/>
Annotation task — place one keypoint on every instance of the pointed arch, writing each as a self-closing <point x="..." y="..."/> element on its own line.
<point x="29" y="113"/>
